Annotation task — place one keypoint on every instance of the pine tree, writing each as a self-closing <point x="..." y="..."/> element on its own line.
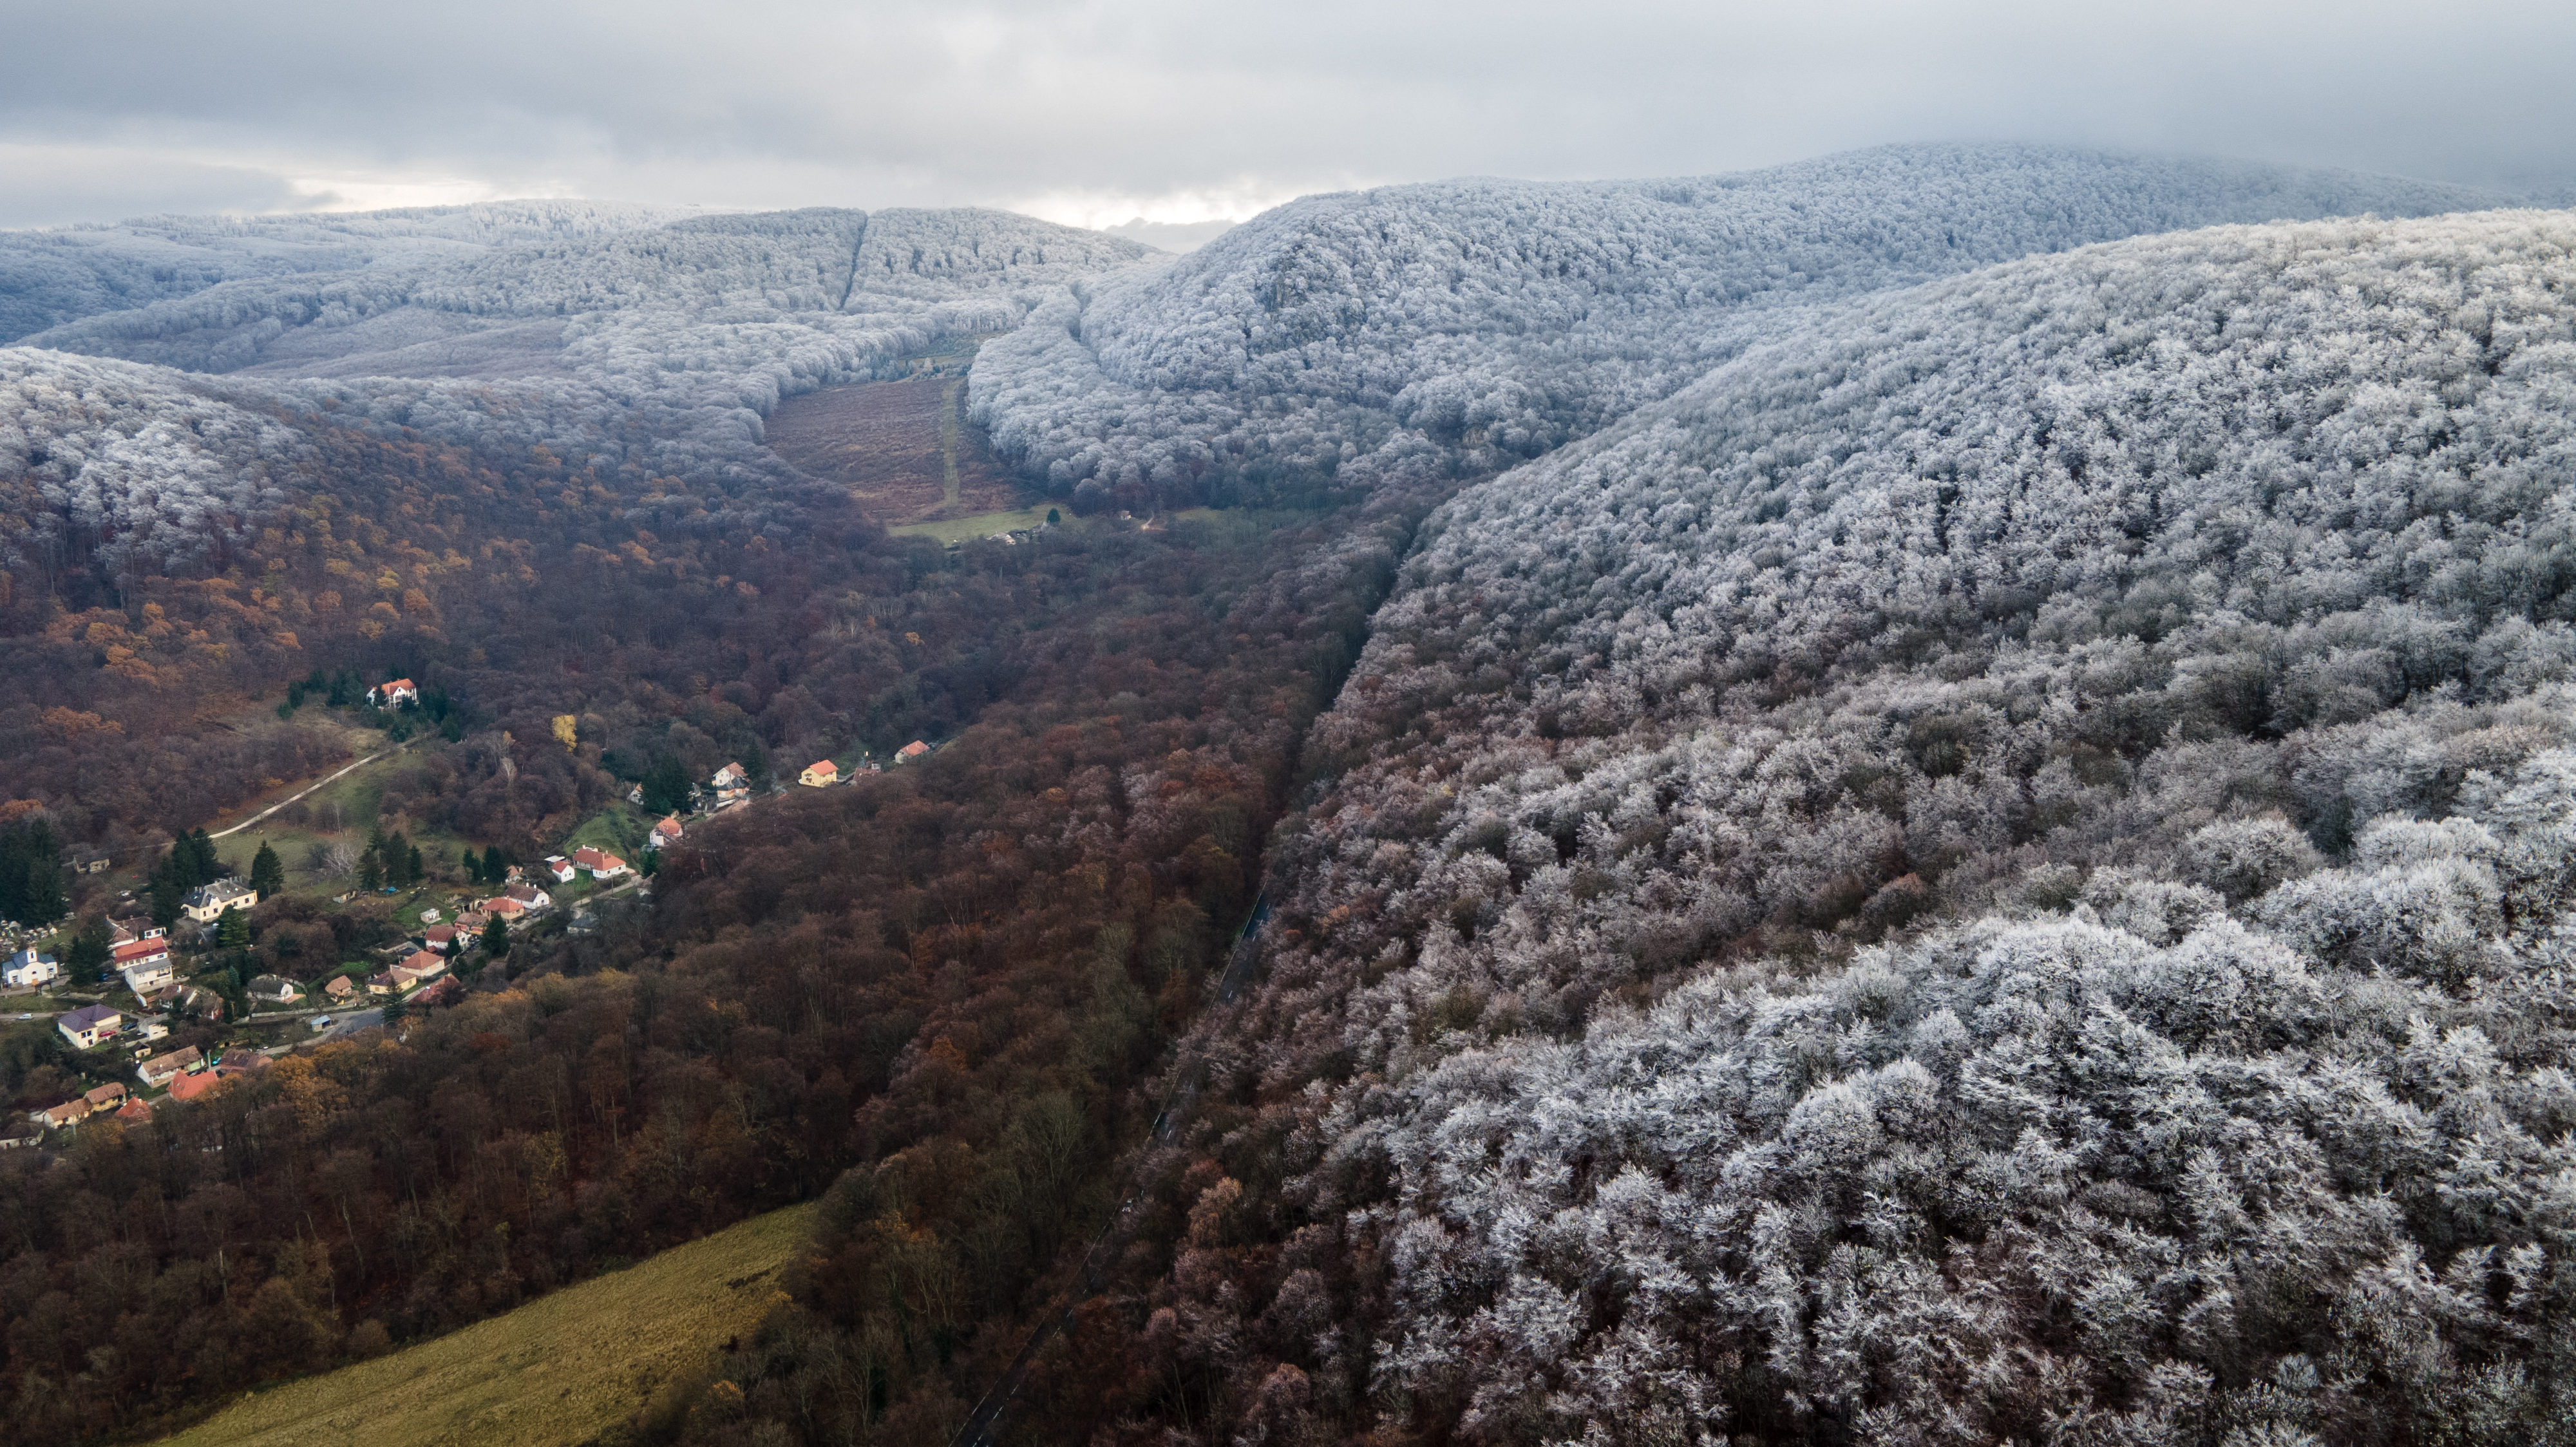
<point x="232" y="929"/>
<point x="496" y="937"/>
<point x="412" y="865"/>
<point x="87" y="958"/>
<point x="371" y="870"/>
<point x="666" y="785"/>
<point x="267" y="872"/>
<point x="496" y="865"/>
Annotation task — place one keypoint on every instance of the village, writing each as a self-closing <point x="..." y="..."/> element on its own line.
<point x="116" y="1025"/>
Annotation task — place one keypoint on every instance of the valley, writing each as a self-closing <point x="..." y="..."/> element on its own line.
<point x="1920" y="797"/>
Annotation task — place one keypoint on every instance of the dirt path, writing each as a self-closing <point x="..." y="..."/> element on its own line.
<point x="307" y="789"/>
<point x="948" y="447"/>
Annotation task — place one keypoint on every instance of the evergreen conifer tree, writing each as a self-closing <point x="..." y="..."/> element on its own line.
<point x="496" y="937"/>
<point x="267" y="872"/>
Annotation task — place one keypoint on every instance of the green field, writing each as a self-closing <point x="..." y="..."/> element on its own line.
<point x="562" y="1369"/>
<point x="959" y="530"/>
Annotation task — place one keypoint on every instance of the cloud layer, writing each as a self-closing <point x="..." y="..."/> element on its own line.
<point x="1098" y="110"/>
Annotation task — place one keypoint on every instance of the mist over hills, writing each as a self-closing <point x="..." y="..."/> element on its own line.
<point x="1461" y="326"/>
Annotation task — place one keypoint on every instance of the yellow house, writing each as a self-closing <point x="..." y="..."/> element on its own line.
<point x="817" y="775"/>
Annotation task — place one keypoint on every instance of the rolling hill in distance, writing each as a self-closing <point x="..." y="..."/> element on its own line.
<point x="1918" y="797"/>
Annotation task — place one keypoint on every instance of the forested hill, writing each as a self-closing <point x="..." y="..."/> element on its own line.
<point x="61" y="274"/>
<point x="2003" y="862"/>
<point x="1472" y="324"/>
<point x="648" y="355"/>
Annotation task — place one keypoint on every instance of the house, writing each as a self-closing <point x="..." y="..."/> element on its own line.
<point x="817" y="775"/>
<point x="665" y="834"/>
<point x="30" y="968"/>
<point x="438" y="937"/>
<point x="145" y="1028"/>
<point x="185" y="1000"/>
<point x="90" y="1026"/>
<point x="405" y="979"/>
<point x="530" y="897"/>
<point x="731" y="776"/>
<point x="91" y="861"/>
<point x="157" y="1071"/>
<point x="398" y="693"/>
<point x="24" y="1133"/>
<point x="149" y="950"/>
<point x="207" y="902"/>
<point x="135" y="1110"/>
<point x="472" y="923"/>
<point x="193" y="1084"/>
<point x="504" y="906"/>
<point x="106" y="1097"/>
<point x="429" y="916"/>
<point x="424" y="964"/>
<point x="129" y="929"/>
<point x="911" y="751"/>
<point x="62" y="1117"/>
<point x="602" y="865"/>
<point x="381" y="983"/>
<point x="560" y="868"/>
<point x="338" y="989"/>
<point x="273" y="990"/>
<point x="635" y="795"/>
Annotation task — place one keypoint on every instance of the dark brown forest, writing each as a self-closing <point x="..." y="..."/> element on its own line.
<point x="951" y="989"/>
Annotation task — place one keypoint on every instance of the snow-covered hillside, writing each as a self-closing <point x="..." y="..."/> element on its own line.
<point x="2009" y="859"/>
<point x="61" y="274"/>
<point x="1472" y="324"/>
<point x="130" y="461"/>
<point x="649" y="350"/>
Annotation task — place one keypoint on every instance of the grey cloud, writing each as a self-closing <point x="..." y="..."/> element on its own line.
<point x="877" y="103"/>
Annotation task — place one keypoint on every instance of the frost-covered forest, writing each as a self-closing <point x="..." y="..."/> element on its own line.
<point x="1998" y="869"/>
<point x="60" y="274"/>
<point x="1960" y="829"/>
<point x="1463" y="326"/>
<point x="644" y="351"/>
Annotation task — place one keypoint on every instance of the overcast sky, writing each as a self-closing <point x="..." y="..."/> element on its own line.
<point x="1096" y="112"/>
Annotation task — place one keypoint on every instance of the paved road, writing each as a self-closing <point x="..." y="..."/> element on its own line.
<point x="349" y="1024"/>
<point x="307" y="789"/>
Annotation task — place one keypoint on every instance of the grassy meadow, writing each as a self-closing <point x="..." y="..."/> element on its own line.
<point x="562" y="1369"/>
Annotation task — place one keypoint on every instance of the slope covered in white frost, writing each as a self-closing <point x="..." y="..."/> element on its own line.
<point x="61" y="274"/>
<point x="643" y="350"/>
<point x="2005" y="867"/>
<point x="1472" y="324"/>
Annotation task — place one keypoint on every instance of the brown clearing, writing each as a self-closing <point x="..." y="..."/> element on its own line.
<point x="882" y="440"/>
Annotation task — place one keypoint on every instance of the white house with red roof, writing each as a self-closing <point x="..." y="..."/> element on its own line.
<point x="145" y="964"/>
<point x="561" y="869"/>
<point x="665" y="834"/>
<point x="602" y="865"/>
<point x="394" y="694"/>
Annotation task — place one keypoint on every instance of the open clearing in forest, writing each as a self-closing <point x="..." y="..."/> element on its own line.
<point x="902" y="448"/>
<point x="562" y="1369"/>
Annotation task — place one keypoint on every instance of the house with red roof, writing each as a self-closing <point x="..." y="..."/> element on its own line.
<point x="817" y="775"/>
<point x="394" y="694"/>
<point x="665" y="834"/>
<point x="145" y="963"/>
<point x="911" y="751"/>
<point x="602" y="865"/>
